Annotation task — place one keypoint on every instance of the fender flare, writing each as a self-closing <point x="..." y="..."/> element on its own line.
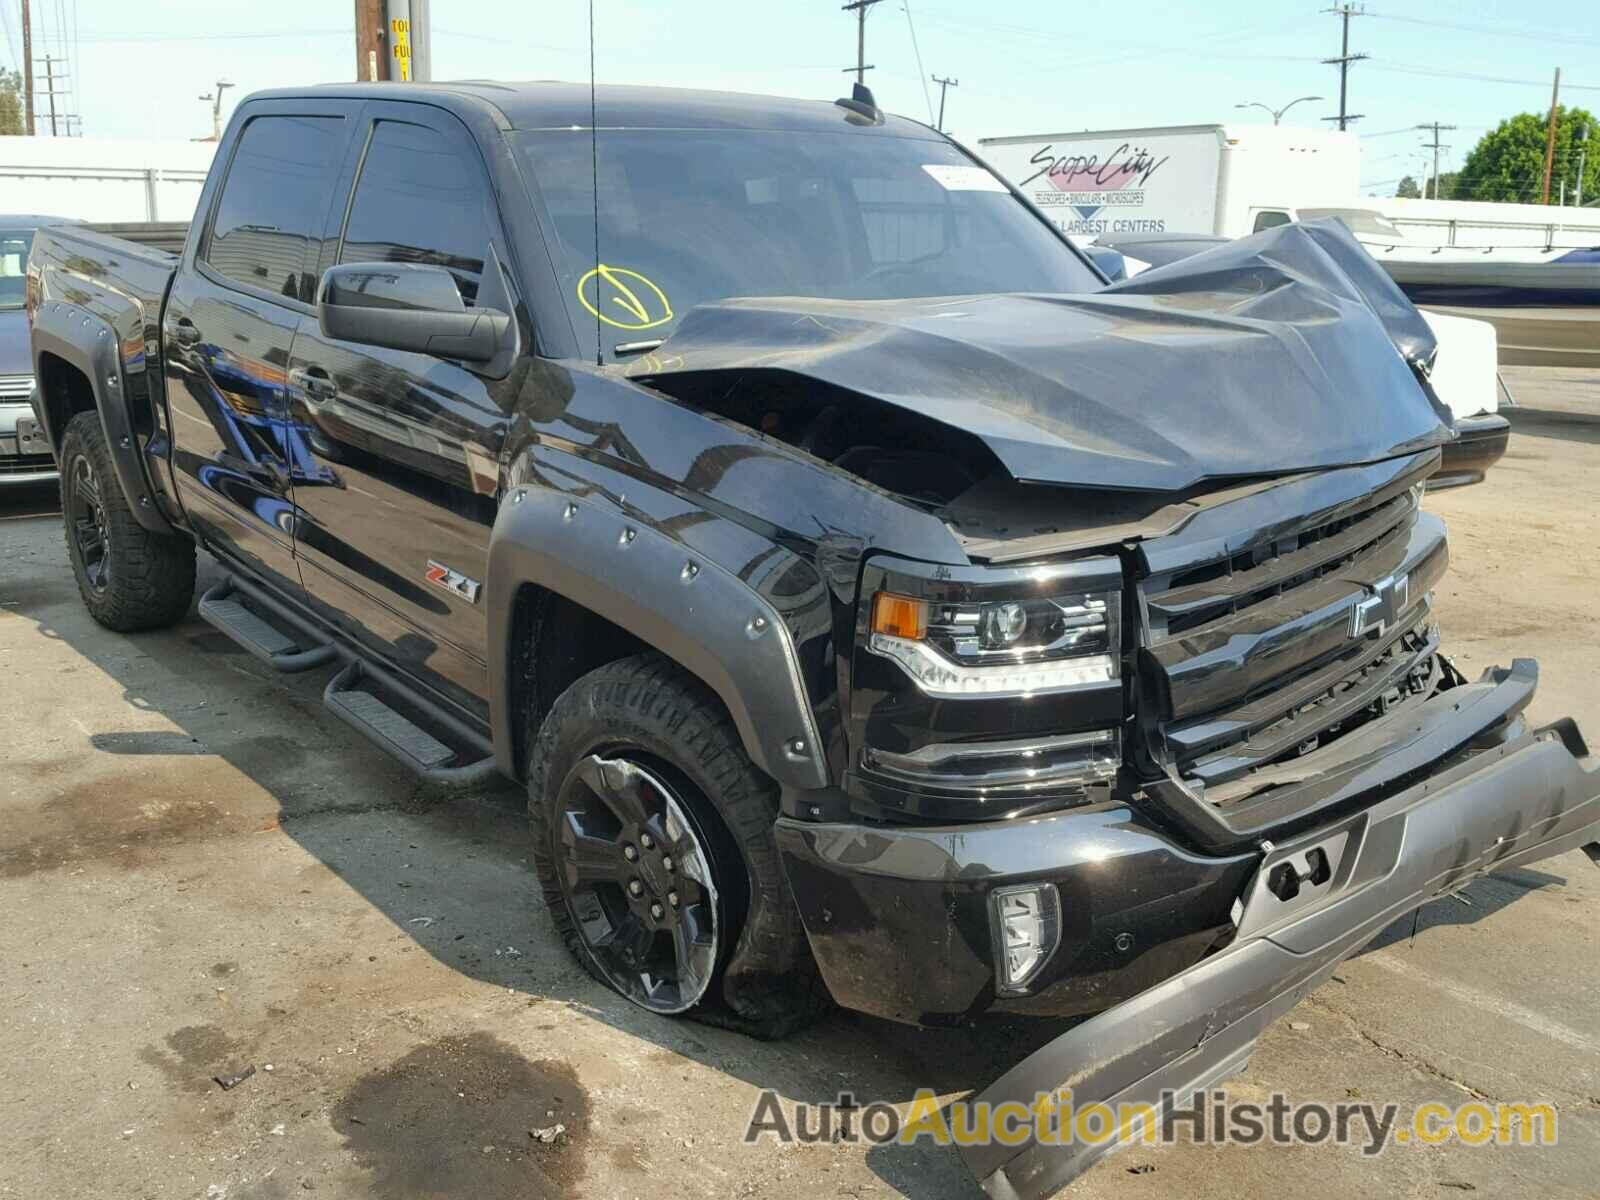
<point x="670" y="597"/>
<point x="88" y="343"/>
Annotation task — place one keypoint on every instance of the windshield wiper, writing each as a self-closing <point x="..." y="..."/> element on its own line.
<point x="637" y="347"/>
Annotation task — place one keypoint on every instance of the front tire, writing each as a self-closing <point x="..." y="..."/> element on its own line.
<point x="652" y="839"/>
<point x="129" y="577"/>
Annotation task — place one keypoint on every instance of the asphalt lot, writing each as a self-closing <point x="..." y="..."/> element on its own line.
<point x="200" y="870"/>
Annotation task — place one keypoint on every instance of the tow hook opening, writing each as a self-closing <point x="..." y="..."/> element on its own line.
<point x="1312" y="868"/>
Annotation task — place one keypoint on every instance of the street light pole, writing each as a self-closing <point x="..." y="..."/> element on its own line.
<point x="216" y="109"/>
<point x="1277" y="113"/>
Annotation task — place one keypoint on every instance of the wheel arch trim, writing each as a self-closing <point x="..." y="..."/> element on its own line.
<point x="89" y="345"/>
<point x="672" y="598"/>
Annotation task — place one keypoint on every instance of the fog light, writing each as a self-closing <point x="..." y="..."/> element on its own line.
<point x="1027" y="921"/>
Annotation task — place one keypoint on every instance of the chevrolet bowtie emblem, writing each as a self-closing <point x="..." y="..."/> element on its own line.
<point x="1391" y="597"/>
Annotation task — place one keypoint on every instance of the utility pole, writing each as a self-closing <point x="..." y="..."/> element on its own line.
<point x="944" y="86"/>
<point x="216" y="109"/>
<point x="859" y="7"/>
<point x="1345" y="11"/>
<point x="1581" y="136"/>
<point x="1550" y="136"/>
<point x="1435" y="146"/>
<point x="372" y="55"/>
<point x="410" y="41"/>
<point x="27" y="72"/>
<point x="50" y="85"/>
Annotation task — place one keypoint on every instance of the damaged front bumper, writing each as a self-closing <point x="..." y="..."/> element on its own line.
<point x="901" y="917"/>
<point x="1480" y="443"/>
<point x="1312" y="901"/>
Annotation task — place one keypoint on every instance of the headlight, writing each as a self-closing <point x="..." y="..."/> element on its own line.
<point x="1021" y="646"/>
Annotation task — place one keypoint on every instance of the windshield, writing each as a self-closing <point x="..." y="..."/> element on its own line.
<point x="1363" y="222"/>
<point x="692" y="216"/>
<point x="14" y="247"/>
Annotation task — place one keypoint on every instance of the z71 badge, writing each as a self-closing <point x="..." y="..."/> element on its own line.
<point x="453" y="581"/>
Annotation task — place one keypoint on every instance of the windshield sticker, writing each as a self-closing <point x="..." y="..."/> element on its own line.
<point x="623" y="298"/>
<point x="963" y="179"/>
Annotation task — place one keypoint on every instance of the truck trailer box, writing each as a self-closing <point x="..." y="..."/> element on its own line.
<point x="1226" y="179"/>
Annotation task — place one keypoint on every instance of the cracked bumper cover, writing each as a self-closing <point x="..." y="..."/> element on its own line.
<point x="1527" y="798"/>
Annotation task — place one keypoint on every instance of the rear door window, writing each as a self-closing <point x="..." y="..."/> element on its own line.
<point x="274" y="202"/>
<point x="419" y="200"/>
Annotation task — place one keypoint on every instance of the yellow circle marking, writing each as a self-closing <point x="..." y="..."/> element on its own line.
<point x="639" y="299"/>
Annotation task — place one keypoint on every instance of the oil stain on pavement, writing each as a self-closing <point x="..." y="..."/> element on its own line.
<point x="467" y="1117"/>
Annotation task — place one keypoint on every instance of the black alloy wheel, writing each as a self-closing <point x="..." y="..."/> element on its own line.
<point x="91" y="530"/>
<point x="636" y="877"/>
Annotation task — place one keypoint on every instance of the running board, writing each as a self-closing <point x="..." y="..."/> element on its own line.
<point x="228" y="609"/>
<point x="365" y="710"/>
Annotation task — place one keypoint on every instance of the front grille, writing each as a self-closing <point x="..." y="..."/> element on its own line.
<point x="15" y="387"/>
<point x="1254" y="653"/>
<point x="25" y="464"/>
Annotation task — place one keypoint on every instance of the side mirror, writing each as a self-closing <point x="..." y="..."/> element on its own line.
<point x="407" y="306"/>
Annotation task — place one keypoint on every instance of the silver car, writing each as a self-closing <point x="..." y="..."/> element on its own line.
<point x="24" y="455"/>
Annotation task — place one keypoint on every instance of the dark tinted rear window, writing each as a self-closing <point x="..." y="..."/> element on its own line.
<point x="274" y="202"/>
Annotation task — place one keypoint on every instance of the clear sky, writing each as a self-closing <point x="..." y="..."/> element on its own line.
<point x="1025" y="66"/>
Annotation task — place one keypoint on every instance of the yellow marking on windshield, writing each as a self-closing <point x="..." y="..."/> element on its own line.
<point x="644" y="304"/>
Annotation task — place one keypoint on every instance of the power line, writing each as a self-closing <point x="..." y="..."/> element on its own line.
<point x="5" y="22"/>
<point x="147" y="36"/>
<point x="1562" y="37"/>
<point x="1433" y="73"/>
<point x="922" y="74"/>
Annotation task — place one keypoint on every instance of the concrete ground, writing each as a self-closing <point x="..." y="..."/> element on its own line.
<point x="201" y="871"/>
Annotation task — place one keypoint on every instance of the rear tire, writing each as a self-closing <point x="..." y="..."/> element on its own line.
<point x="635" y="761"/>
<point x="129" y="577"/>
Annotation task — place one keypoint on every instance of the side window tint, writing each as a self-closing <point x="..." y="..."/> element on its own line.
<point x="274" y="201"/>
<point x="419" y="200"/>
<point x="1269" y="220"/>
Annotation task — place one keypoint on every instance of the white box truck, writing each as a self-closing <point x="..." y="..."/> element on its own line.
<point x="1224" y="179"/>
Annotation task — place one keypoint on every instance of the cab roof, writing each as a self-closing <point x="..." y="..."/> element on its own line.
<point x="550" y="104"/>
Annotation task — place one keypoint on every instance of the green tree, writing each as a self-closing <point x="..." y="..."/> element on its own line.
<point x="10" y="102"/>
<point x="1449" y="183"/>
<point x="1408" y="189"/>
<point x="1507" y="164"/>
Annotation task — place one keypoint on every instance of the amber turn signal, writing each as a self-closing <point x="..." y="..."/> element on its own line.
<point x="900" y="616"/>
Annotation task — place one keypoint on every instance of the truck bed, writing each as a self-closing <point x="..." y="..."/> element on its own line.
<point x="158" y="235"/>
<point x="119" y="280"/>
<point x="86" y="285"/>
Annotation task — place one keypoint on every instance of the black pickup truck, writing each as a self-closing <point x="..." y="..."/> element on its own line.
<point x="874" y="602"/>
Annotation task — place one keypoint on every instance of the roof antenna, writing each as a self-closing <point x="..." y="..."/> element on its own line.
<point x="594" y="177"/>
<point x="861" y="106"/>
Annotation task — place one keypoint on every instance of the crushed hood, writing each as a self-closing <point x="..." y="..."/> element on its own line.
<point x="1289" y="350"/>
